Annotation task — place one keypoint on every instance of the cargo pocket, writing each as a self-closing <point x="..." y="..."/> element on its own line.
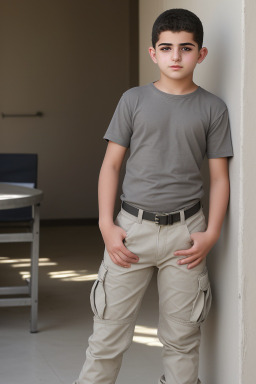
<point x="98" y="295"/>
<point x="202" y="303"/>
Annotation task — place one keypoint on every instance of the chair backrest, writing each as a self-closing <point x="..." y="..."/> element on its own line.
<point x="20" y="169"/>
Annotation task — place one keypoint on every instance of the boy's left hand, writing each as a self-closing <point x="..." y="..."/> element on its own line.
<point x="202" y="243"/>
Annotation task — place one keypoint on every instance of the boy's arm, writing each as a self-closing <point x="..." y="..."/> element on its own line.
<point x="112" y="234"/>
<point x="219" y="196"/>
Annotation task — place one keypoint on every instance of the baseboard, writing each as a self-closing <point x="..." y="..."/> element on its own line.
<point x="67" y="222"/>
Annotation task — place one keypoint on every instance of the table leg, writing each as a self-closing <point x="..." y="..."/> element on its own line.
<point x="34" y="271"/>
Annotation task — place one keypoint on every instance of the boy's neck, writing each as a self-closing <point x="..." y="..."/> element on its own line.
<point x="175" y="87"/>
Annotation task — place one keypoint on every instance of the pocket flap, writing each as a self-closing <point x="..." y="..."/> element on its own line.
<point x="202" y="303"/>
<point x="102" y="272"/>
<point x="98" y="295"/>
<point x="204" y="281"/>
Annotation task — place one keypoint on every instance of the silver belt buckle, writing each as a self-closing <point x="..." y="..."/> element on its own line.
<point x="157" y="218"/>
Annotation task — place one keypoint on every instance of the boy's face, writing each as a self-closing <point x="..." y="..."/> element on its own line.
<point x="176" y="54"/>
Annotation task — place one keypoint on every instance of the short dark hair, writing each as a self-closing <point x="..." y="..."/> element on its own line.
<point x="177" y="20"/>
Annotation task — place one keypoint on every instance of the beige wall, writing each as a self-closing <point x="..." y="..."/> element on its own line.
<point x="221" y="74"/>
<point x="148" y="10"/>
<point x="70" y="60"/>
<point x="248" y="204"/>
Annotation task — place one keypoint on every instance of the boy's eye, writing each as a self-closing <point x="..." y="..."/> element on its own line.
<point x="166" y="49"/>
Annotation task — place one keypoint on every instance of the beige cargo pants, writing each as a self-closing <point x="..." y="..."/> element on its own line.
<point x="184" y="301"/>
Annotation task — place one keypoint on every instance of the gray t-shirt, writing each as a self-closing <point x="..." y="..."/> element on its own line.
<point x="168" y="136"/>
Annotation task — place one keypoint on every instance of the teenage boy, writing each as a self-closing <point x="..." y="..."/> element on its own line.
<point x="169" y="126"/>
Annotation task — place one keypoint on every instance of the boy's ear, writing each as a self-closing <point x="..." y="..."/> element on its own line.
<point x="202" y="54"/>
<point x="152" y="53"/>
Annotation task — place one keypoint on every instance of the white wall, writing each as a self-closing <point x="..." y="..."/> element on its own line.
<point x="221" y="74"/>
<point x="248" y="203"/>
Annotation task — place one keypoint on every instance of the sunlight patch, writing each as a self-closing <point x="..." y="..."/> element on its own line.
<point x="25" y="275"/>
<point x="24" y="263"/>
<point x="40" y="264"/>
<point x="145" y="335"/>
<point x="81" y="275"/>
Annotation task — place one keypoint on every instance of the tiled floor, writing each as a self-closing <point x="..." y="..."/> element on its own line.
<point x="69" y="260"/>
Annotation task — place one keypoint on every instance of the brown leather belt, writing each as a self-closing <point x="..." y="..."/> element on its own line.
<point x="161" y="219"/>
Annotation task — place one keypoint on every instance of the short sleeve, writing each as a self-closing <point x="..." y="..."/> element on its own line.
<point x="219" y="143"/>
<point x="120" y="127"/>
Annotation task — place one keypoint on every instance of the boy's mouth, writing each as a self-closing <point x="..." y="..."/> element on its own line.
<point x="176" y="66"/>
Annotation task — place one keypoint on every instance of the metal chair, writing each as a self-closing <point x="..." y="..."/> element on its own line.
<point x="21" y="170"/>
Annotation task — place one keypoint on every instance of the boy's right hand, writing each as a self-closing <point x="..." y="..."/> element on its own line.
<point x="113" y="237"/>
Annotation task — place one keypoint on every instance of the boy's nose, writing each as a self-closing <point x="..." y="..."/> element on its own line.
<point x="176" y="54"/>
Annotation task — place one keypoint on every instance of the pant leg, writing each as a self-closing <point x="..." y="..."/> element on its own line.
<point x="163" y="381"/>
<point x="184" y="301"/>
<point x="115" y="299"/>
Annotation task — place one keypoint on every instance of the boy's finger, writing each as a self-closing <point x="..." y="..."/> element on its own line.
<point x="184" y="252"/>
<point x="192" y="265"/>
<point x="129" y="253"/>
<point x="119" y="261"/>
<point x="187" y="260"/>
<point x="127" y="259"/>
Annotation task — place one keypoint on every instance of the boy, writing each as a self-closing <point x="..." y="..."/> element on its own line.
<point x="169" y="126"/>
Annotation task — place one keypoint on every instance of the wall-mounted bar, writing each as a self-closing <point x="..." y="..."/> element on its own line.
<point x="37" y="114"/>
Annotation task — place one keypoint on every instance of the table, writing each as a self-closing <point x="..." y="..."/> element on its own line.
<point x="13" y="196"/>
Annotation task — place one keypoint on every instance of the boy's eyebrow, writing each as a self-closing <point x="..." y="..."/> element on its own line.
<point x="181" y="44"/>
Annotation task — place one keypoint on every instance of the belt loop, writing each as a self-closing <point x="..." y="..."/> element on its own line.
<point x="139" y="218"/>
<point x="182" y="217"/>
